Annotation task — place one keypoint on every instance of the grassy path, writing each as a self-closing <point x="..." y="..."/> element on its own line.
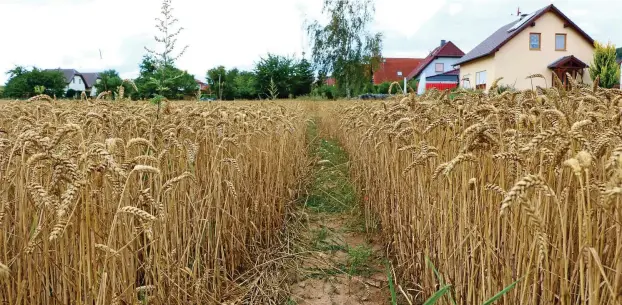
<point x="344" y="265"/>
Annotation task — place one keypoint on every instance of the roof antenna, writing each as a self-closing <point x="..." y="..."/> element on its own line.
<point x="100" y="54"/>
<point x="518" y="11"/>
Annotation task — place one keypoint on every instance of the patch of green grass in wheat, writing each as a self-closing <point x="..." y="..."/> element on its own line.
<point x="331" y="191"/>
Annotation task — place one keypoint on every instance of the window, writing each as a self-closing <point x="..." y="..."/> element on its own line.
<point x="73" y="80"/>
<point x="80" y="81"/>
<point x="480" y="80"/>
<point x="534" y="41"/>
<point x="466" y="81"/>
<point x="560" y="42"/>
<point x="399" y="73"/>
<point x="440" y="67"/>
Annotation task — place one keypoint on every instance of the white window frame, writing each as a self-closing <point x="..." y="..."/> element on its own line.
<point x="399" y="73"/>
<point x="480" y="82"/>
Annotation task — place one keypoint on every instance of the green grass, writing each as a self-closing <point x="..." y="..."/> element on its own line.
<point x="359" y="260"/>
<point x="320" y="241"/>
<point x="331" y="191"/>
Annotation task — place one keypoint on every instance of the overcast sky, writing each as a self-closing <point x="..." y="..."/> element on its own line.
<point x="235" y="33"/>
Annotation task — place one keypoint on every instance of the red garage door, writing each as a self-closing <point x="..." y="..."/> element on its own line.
<point x="440" y="86"/>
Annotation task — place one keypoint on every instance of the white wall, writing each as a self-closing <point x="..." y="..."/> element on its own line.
<point x="76" y="84"/>
<point x="94" y="89"/>
<point x="430" y="70"/>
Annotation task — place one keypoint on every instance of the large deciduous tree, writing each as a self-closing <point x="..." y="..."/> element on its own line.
<point x="166" y="81"/>
<point x="345" y="47"/>
<point x="604" y="65"/>
<point x="22" y="82"/>
<point x="111" y="81"/>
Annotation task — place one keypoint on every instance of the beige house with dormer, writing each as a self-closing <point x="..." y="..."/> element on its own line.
<point x="544" y="42"/>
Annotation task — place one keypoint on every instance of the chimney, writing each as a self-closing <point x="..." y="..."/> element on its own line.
<point x="443" y="42"/>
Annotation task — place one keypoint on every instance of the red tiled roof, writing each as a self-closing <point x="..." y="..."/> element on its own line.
<point x="330" y="81"/>
<point x="388" y="70"/>
<point x="449" y="49"/>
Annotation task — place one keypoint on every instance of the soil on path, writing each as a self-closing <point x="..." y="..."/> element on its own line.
<point x="343" y="264"/>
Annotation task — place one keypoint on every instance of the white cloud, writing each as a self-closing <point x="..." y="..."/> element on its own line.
<point x="405" y="17"/>
<point x="455" y="8"/>
<point x="235" y="33"/>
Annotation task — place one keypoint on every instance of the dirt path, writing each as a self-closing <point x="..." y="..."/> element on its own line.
<point x="343" y="264"/>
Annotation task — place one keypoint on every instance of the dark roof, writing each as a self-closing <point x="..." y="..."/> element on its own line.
<point x="449" y="49"/>
<point x="68" y="73"/>
<point x="452" y="75"/>
<point x="90" y="79"/>
<point x="452" y="72"/>
<point x="566" y="61"/>
<point x="499" y="38"/>
<point x="387" y="70"/>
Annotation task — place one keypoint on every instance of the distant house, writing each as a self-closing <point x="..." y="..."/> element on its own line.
<point x="91" y="79"/>
<point x="202" y="86"/>
<point x="544" y="42"/>
<point x="394" y="69"/>
<point x="439" y="62"/>
<point x="79" y="81"/>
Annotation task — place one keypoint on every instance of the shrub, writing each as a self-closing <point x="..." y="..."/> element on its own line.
<point x="605" y="65"/>
<point x="71" y="93"/>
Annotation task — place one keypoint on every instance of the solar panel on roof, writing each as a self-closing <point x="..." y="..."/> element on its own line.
<point x="521" y="22"/>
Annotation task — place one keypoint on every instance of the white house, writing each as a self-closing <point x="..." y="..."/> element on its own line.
<point x="79" y="81"/>
<point x="440" y="60"/>
<point x="91" y="79"/>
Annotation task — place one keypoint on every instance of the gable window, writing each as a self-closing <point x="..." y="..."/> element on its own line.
<point x="534" y="41"/>
<point x="80" y="81"/>
<point x="399" y="73"/>
<point x="73" y="80"/>
<point x="439" y="67"/>
<point x="560" y="42"/>
<point x="480" y="80"/>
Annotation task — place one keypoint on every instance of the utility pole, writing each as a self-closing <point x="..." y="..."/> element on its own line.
<point x="219" y="88"/>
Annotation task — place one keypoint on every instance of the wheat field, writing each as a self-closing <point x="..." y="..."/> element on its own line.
<point x="493" y="189"/>
<point x="116" y="203"/>
<point x="512" y="195"/>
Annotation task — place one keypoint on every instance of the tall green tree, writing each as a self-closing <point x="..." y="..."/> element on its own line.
<point x="23" y="82"/>
<point x="221" y="82"/>
<point x="232" y="84"/>
<point x="111" y="81"/>
<point x="165" y="81"/>
<point x="303" y="78"/>
<point x="345" y="47"/>
<point x="277" y="69"/>
<point x="146" y="88"/>
<point x="246" y="85"/>
<point x="604" y="65"/>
